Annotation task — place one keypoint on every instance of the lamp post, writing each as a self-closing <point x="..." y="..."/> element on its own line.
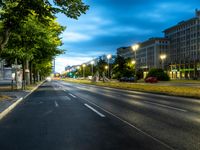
<point x="135" y="48"/>
<point x="107" y="68"/>
<point x="92" y="64"/>
<point x="133" y="62"/>
<point x="83" y="70"/>
<point x="108" y="58"/>
<point x="163" y="57"/>
<point x="78" y="67"/>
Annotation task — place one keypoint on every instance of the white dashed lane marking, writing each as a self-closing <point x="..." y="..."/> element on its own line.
<point x="72" y="95"/>
<point x="94" y="110"/>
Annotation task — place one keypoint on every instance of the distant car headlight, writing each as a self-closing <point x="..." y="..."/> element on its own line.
<point x="48" y="79"/>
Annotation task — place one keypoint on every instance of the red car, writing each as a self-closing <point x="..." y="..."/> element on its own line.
<point x="151" y="80"/>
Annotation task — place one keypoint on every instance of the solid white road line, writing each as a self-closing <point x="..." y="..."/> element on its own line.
<point x="94" y="110"/>
<point x="56" y="104"/>
<point x="136" y="128"/>
<point x="165" y="106"/>
<point x="72" y="95"/>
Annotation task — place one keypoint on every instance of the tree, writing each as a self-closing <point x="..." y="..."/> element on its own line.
<point x="123" y="67"/>
<point x="35" y="44"/>
<point x="100" y="67"/>
<point x="14" y="12"/>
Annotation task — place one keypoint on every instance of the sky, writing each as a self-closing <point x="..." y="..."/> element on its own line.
<point x="110" y="24"/>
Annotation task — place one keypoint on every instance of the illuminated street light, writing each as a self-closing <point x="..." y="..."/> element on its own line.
<point x="163" y="57"/>
<point x="106" y="67"/>
<point x="92" y="64"/>
<point x="109" y="56"/>
<point x="133" y="62"/>
<point x="135" y="48"/>
<point x="84" y="70"/>
<point x="78" y="67"/>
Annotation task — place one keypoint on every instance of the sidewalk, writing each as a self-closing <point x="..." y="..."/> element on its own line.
<point x="14" y="95"/>
<point x="13" y="98"/>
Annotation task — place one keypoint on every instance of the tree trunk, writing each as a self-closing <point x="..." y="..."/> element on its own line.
<point x="38" y="76"/>
<point x="34" y="74"/>
<point x="27" y="72"/>
<point x="31" y="72"/>
<point x="4" y="39"/>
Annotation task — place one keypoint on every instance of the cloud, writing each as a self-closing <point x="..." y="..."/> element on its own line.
<point x="61" y="61"/>
<point x="162" y="11"/>
<point x="74" y="37"/>
<point x="110" y="24"/>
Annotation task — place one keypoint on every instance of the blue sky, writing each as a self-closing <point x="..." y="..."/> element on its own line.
<point x="110" y="24"/>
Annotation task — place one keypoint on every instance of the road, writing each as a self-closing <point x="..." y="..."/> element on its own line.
<point x="69" y="116"/>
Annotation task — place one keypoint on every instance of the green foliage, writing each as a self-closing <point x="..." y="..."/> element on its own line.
<point x="139" y="74"/>
<point x="100" y="67"/>
<point x="13" y="13"/>
<point x="123" y="68"/>
<point x="36" y="42"/>
<point x="159" y="74"/>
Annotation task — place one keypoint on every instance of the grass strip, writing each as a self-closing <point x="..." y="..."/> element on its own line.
<point x="185" y="91"/>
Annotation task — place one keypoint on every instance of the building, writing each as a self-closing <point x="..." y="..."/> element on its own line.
<point x="181" y="45"/>
<point x="5" y="70"/>
<point x="184" y="51"/>
<point x="125" y="52"/>
<point x="148" y="54"/>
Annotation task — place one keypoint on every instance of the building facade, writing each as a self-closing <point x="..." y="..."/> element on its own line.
<point x="180" y="44"/>
<point x="125" y="52"/>
<point x="184" y="51"/>
<point x="148" y="54"/>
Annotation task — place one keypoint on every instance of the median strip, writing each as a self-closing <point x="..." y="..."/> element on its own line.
<point x="94" y="110"/>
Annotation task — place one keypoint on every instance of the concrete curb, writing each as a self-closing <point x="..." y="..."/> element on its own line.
<point x="11" y="107"/>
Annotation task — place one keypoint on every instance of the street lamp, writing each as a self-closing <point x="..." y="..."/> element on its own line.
<point x="108" y="58"/>
<point x="84" y="70"/>
<point x="92" y="63"/>
<point x="106" y="67"/>
<point x="135" y="48"/>
<point x="163" y="57"/>
<point x="133" y="62"/>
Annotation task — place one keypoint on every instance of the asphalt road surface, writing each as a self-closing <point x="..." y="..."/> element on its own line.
<point x="68" y="116"/>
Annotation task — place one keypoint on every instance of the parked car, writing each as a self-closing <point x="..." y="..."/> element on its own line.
<point x="151" y="80"/>
<point x="131" y="79"/>
<point x="126" y="79"/>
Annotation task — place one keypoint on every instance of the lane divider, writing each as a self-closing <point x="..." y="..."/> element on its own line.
<point x="72" y="95"/>
<point x="165" y="106"/>
<point x="131" y="125"/>
<point x="56" y="104"/>
<point x="94" y="110"/>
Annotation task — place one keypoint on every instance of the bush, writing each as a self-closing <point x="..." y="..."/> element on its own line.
<point x="159" y="74"/>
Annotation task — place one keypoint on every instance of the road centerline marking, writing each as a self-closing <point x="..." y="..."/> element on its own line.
<point x="133" y="126"/>
<point x="94" y="110"/>
<point x="166" y="106"/>
<point x="56" y="104"/>
<point x="72" y="95"/>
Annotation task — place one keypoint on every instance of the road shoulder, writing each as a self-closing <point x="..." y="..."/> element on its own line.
<point x="16" y="97"/>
